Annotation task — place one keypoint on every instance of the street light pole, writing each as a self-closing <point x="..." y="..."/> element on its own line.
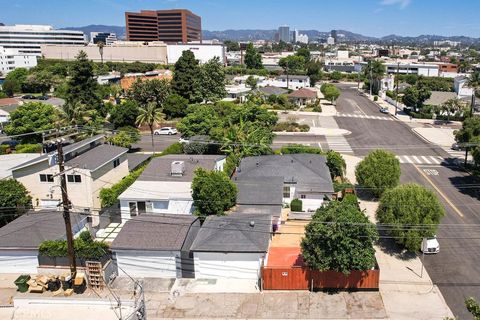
<point x="371" y="80"/>
<point x="396" y="95"/>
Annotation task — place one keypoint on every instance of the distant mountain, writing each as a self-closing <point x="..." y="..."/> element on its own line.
<point x="258" y="34"/>
<point x="119" y="31"/>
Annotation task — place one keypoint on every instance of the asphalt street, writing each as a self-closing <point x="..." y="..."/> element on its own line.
<point x="160" y="142"/>
<point x="307" y="140"/>
<point x="455" y="270"/>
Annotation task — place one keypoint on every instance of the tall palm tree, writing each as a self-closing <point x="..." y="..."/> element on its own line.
<point x="450" y="107"/>
<point x="150" y="115"/>
<point x="100" y="46"/>
<point x="473" y="82"/>
<point x="375" y="70"/>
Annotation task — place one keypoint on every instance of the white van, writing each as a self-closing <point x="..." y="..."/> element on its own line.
<point x="430" y="245"/>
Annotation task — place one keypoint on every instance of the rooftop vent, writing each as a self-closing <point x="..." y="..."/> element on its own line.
<point x="177" y="168"/>
<point x="252" y="223"/>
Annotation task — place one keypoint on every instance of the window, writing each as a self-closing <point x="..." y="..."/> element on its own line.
<point x="46" y="178"/>
<point x="303" y="196"/>
<point x="286" y="191"/>
<point x="160" y="205"/>
<point x="74" y="178"/>
<point x="116" y="163"/>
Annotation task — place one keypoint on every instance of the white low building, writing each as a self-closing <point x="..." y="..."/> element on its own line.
<point x="202" y="52"/>
<point x="461" y="88"/>
<point x="165" y="185"/>
<point x="295" y="82"/>
<point x="10" y="59"/>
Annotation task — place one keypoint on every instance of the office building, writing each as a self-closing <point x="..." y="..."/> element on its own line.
<point x="27" y="39"/>
<point x="106" y="38"/>
<point x="170" y="26"/>
<point x="11" y="59"/>
<point x="284" y="33"/>
<point x="334" y="35"/>
<point x="330" y="40"/>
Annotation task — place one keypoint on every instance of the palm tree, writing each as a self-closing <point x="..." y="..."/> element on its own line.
<point x="450" y="107"/>
<point x="375" y="70"/>
<point x="473" y="82"/>
<point x="100" y="46"/>
<point x="150" y="115"/>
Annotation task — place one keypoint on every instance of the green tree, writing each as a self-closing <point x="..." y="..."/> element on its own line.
<point x="41" y="81"/>
<point x="305" y="53"/>
<point x="336" y="75"/>
<point x="82" y="86"/>
<point x="213" y="192"/>
<point x="14" y="200"/>
<point x="185" y="78"/>
<point x="374" y="71"/>
<point x="291" y="64"/>
<point x="251" y="82"/>
<point x="231" y="45"/>
<point x="314" y="71"/>
<point x="32" y="117"/>
<point x="100" y="46"/>
<point x="473" y="308"/>
<point x="379" y="171"/>
<point x="414" y="97"/>
<point x="211" y="81"/>
<point x="331" y="93"/>
<point x="175" y="106"/>
<point x="336" y="164"/>
<point x="474" y="83"/>
<point x="451" y="107"/>
<point x="412" y="211"/>
<point x="150" y="115"/>
<point x="202" y="120"/>
<point x="339" y="238"/>
<point x="125" y="137"/>
<point x="470" y="134"/>
<point x="9" y="87"/>
<point x="155" y="90"/>
<point x="124" y="114"/>
<point x="16" y="79"/>
<point x="253" y="59"/>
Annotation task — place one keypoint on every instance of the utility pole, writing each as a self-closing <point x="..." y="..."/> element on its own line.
<point x="371" y="80"/>
<point x="396" y="95"/>
<point x="66" y="210"/>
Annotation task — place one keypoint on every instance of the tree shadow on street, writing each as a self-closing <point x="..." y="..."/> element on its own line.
<point x="390" y="247"/>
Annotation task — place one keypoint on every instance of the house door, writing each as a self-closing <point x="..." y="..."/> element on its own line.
<point x="142" y="208"/>
<point x="133" y="208"/>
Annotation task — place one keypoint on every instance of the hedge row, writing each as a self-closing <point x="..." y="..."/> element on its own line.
<point x="85" y="247"/>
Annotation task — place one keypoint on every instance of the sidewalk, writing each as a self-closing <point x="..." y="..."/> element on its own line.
<point x="405" y="286"/>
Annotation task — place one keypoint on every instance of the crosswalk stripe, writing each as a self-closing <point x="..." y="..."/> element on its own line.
<point x="416" y="159"/>
<point x="436" y="160"/>
<point x="425" y="159"/>
<point x="407" y="159"/>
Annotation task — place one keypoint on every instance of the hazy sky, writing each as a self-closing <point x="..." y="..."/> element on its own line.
<point x="368" y="17"/>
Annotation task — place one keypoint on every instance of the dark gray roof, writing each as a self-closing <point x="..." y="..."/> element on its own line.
<point x="97" y="157"/>
<point x="159" y="168"/>
<point x="66" y="150"/>
<point x="136" y="159"/>
<point x="308" y="171"/>
<point x="439" y="97"/>
<point x="259" y="190"/>
<point x="272" y="209"/>
<point x="29" y="230"/>
<point x="234" y="233"/>
<point x="291" y="77"/>
<point x="157" y="232"/>
<point x="269" y="90"/>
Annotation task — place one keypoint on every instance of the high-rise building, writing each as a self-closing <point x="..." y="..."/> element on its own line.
<point x="28" y="38"/>
<point x="163" y="25"/>
<point x="284" y="33"/>
<point x="11" y="59"/>
<point x="107" y="38"/>
<point x="334" y="35"/>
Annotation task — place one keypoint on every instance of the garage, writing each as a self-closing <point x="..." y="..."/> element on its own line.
<point x="151" y="264"/>
<point x="18" y="261"/>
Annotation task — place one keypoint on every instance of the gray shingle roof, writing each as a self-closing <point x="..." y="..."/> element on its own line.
<point x="159" y="169"/>
<point x="29" y="230"/>
<point x="269" y="90"/>
<point x="292" y="77"/>
<point x="234" y="234"/>
<point x="159" y="232"/>
<point x="439" y="97"/>
<point x="97" y="157"/>
<point x="259" y="190"/>
<point x="308" y="171"/>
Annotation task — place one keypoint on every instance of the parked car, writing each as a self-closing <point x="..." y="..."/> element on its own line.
<point x="165" y="131"/>
<point x="457" y="147"/>
<point x="183" y="140"/>
<point x="28" y="96"/>
<point x="384" y="110"/>
<point x="11" y="143"/>
<point x="43" y="97"/>
<point x="430" y="245"/>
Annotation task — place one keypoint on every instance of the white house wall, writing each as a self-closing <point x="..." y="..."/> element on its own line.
<point x="148" y="264"/>
<point x="213" y="265"/>
<point x="18" y="261"/>
<point x="174" y="207"/>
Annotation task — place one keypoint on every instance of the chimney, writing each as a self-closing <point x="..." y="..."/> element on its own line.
<point x="177" y="168"/>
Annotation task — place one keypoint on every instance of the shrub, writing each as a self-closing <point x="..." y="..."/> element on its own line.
<point x="351" y="199"/>
<point x="299" y="148"/>
<point x="291" y="127"/>
<point x="109" y="196"/>
<point x="4" y="149"/>
<point x="28" y="148"/>
<point x="85" y="247"/>
<point x="176" y="148"/>
<point x="340" y="186"/>
<point x="296" y="205"/>
<point x="375" y="98"/>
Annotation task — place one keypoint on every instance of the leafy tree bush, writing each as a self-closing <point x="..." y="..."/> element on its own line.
<point x="414" y="212"/>
<point x="296" y="205"/>
<point x="15" y="81"/>
<point x="196" y="145"/>
<point x="175" y="148"/>
<point x="253" y="59"/>
<point x="473" y="307"/>
<point x="175" y="106"/>
<point x="28" y="148"/>
<point x="339" y="238"/>
<point x="185" y="78"/>
<point x="213" y="192"/>
<point x="144" y="92"/>
<point x="299" y="148"/>
<point x="85" y="247"/>
<point x="125" y="137"/>
<point x="4" y="149"/>
<point x="336" y="164"/>
<point x="380" y="170"/>
<point x="14" y="199"/>
<point x="124" y="114"/>
<point x="211" y="81"/>
<point x="109" y="196"/>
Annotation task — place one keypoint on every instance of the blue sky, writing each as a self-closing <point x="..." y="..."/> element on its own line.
<point x="368" y="17"/>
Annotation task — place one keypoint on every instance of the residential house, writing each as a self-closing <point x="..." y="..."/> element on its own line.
<point x="156" y="246"/>
<point x="271" y="90"/>
<point x="165" y="186"/>
<point x="294" y="82"/>
<point x="9" y="161"/>
<point x="129" y="78"/>
<point x="90" y="166"/>
<point x="303" y="96"/>
<point x="461" y="88"/>
<point x="21" y="237"/>
<point x="305" y="176"/>
<point x="237" y="92"/>
<point x="4" y="117"/>
<point x="9" y="104"/>
<point x="439" y="98"/>
<point x="232" y="247"/>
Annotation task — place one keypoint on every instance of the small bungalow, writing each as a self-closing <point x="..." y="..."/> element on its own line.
<point x="303" y="96"/>
<point x="156" y="246"/>
<point x="438" y="98"/>
<point x="232" y="247"/>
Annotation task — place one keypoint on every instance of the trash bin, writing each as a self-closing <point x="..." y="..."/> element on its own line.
<point x="21" y="283"/>
<point x="54" y="285"/>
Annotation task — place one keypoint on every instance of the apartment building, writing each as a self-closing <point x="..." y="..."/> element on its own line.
<point x="171" y="26"/>
<point x="27" y="39"/>
<point x="10" y="59"/>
